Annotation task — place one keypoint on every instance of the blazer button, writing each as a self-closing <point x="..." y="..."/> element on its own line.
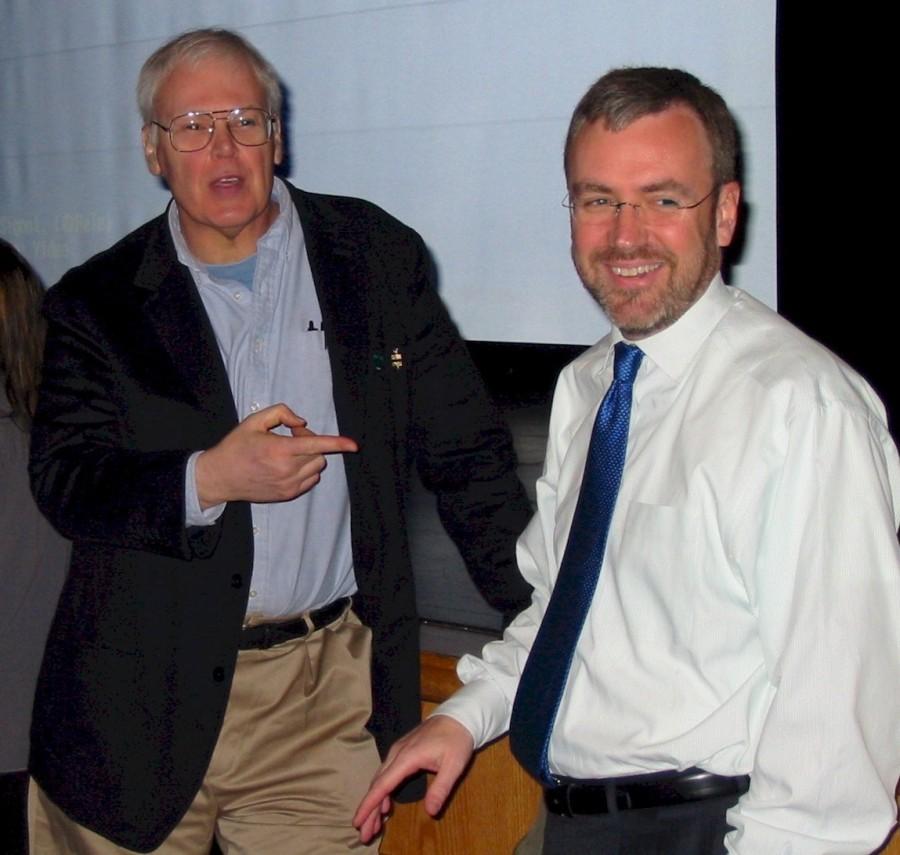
<point x="218" y="673"/>
<point x="237" y="581"/>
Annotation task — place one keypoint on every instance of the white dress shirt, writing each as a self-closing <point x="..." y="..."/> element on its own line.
<point x="746" y="616"/>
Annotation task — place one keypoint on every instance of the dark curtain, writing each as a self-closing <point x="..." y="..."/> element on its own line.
<point x="837" y="161"/>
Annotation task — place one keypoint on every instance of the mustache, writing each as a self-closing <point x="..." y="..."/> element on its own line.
<point x="647" y="254"/>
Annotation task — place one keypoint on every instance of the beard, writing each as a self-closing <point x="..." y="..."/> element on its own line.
<point x="640" y="311"/>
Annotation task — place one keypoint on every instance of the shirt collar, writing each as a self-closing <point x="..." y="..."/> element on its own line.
<point x="278" y="234"/>
<point x="673" y="348"/>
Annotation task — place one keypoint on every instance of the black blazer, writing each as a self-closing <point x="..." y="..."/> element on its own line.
<point x="143" y="647"/>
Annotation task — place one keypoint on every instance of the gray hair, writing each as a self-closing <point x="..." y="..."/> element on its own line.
<point x="624" y="95"/>
<point x="192" y="47"/>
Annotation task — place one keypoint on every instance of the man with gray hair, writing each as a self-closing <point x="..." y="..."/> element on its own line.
<point x="208" y="671"/>
<point x="711" y="655"/>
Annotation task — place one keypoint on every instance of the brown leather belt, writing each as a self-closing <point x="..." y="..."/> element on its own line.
<point x="583" y="798"/>
<point x="265" y="635"/>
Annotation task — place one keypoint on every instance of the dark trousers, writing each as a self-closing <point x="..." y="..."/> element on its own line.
<point x="696" y="828"/>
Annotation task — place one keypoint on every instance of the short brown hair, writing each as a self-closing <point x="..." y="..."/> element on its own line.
<point x="624" y="95"/>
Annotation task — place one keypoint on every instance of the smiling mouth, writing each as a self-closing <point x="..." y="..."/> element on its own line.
<point x="636" y="270"/>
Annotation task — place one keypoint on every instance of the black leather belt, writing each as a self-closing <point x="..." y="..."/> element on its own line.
<point x="582" y="798"/>
<point x="265" y="635"/>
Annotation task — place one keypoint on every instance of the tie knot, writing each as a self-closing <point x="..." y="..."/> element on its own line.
<point x="627" y="361"/>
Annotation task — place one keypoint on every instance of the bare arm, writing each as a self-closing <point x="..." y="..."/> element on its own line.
<point x="441" y="745"/>
<point x="253" y="464"/>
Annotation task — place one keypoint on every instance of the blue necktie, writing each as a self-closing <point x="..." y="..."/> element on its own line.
<point x="547" y="669"/>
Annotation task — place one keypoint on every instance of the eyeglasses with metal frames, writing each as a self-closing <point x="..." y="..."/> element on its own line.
<point x="655" y="208"/>
<point x="250" y="126"/>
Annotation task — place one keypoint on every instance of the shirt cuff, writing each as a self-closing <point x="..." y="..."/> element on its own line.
<point x="481" y="708"/>
<point x="194" y="515"/>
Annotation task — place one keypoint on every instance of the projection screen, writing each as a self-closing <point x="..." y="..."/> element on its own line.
<point x="448" y="113"/>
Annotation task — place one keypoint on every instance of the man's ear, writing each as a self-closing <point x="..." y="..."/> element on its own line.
<point x="278" y="151"/>
<point x="727" y="211"/>
<point x="149" y="136"/>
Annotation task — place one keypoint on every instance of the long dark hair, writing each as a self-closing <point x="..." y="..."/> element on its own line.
<point x="21" y="334"/>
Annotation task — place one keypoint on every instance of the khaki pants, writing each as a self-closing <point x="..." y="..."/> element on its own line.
<point x="291" y="764"/>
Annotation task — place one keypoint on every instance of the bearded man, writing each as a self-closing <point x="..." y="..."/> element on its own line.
<point x="711" y="655"/>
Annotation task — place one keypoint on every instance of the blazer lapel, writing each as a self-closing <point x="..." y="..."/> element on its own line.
<point x="342" y="292"/>
<point x="175" y="311"/>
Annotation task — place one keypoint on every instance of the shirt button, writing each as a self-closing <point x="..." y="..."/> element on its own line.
<point x="256" y="529"/>
<point x="257" y="345"/>
<point x="253" y="593"/>
<point x="237" y="581"/>
<point x="218" y="674"/>
<point x="237" y="296"/>
<point x="254" y="406"/>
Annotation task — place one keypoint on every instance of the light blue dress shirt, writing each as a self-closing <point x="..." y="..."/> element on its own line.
<point x="271" y="341"/>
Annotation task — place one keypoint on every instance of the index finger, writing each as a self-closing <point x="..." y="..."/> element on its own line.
<point x="377" y="800"/>
<point x="372" y="824"/>
<point x="321" y="444"/>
